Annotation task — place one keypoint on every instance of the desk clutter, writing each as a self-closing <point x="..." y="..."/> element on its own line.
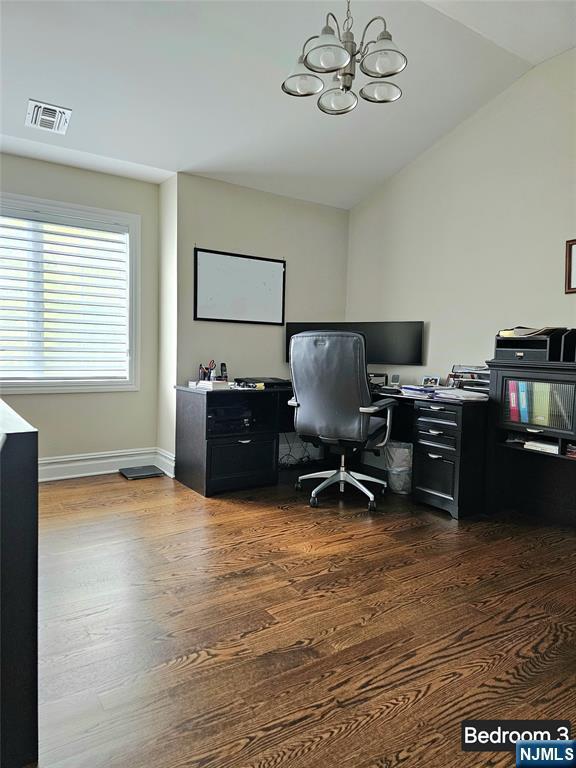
<point x="442" y="393"/>
<point x="465" y="383"/>
<point x="208" y="379"/>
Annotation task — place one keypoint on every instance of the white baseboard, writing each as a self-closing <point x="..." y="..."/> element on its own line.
<point x="165" y="461"/>
<point x="84" y="464"/>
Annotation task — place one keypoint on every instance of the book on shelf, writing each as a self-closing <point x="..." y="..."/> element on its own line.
<point x="513" y="400"/>
<point x="544" y="447"/>
<point x="541" y="402"/>
<point x="523" y="401"/>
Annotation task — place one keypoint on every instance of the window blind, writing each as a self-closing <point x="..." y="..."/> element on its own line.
<point x="64" y="300"/>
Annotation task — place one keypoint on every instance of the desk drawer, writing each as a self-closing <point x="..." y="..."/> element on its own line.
<point x="522" y="354"/>
<point x="242" y="462"/>
<point x="435" y="478"/>
<point x="431" y="435"/>
<point x="437" y="413"/>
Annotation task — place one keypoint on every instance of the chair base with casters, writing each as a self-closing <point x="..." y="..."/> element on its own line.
<point x="343" y="476"/>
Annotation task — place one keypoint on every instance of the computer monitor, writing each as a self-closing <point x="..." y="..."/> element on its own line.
<point x="390" y="343"/>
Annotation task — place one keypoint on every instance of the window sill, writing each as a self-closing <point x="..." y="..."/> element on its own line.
<point x="62" y="387"/>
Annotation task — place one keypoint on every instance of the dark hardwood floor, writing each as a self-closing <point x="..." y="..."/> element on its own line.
<point x="250" y="631"/>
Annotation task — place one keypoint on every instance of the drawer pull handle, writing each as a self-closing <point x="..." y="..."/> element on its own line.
<point x="434" y="456"/>
<point x="535" y="431"/>
<point x="436" y="407"/>
<point x="435" y="432"/>
<point x="244" y="442"/>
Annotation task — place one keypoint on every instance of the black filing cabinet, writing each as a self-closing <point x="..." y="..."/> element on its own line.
<point x="449" y="455"/>
<point x="227" y="440"/>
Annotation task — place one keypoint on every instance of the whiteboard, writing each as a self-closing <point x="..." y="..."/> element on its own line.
<point x="241" y="289"/>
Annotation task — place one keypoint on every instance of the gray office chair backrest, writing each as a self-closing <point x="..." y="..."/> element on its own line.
<point x="330" y="384"/>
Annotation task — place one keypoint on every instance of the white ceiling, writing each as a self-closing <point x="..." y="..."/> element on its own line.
<point x="159" y="87"/>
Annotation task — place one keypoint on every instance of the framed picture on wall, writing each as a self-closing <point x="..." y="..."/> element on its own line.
<point x="571" y="266"/>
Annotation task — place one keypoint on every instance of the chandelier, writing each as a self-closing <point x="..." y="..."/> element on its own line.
<point x="328" y="53"/>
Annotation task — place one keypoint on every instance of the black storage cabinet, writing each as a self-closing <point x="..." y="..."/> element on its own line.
<point x="449" y="455"/>
<point x="524" y="480"/>
<point x="228" y="440"/>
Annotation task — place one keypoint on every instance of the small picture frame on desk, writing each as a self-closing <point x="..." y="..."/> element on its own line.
<point x="431" y="381"/>
<point x="570" y="266"/>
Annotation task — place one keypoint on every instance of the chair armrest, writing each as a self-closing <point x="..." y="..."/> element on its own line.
<point x="379" y="405"/>
<point x="293" y="403"/>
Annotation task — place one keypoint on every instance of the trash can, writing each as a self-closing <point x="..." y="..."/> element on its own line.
<point x="398" y="465"/>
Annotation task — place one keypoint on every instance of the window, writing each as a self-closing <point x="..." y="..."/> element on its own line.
<point x="67" y="297"/>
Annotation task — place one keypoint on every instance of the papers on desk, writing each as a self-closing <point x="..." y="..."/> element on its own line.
<point x="463" y="395"/>
<point x="418" y="393"/>
<point x="210" y="386"/>
<point x="442" y="393"/>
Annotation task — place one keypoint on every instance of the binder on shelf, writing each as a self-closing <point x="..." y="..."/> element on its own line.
<point x="523" y="402"/>
<point x="513" y="399"/>
<point x="541" y="403"/>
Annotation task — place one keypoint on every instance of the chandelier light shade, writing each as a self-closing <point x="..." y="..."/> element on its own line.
<point x="337" y="101"/>
<point x="335" y="51"/>
<point x="383" y="59"/>
<point x="326" y="53"/>
<point x="380" y="92"/>
<point x="302" y="82"/>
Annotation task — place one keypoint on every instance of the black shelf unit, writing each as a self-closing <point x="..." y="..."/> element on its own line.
<point x="532" y="401"/>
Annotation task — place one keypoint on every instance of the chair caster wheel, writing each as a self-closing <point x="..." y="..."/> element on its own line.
<point x="371" y="506"/>
<point x="297" y="485"/>
<point x="313" y="501"/>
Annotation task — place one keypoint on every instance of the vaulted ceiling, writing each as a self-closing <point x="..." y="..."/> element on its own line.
<point x="159" y="87"/>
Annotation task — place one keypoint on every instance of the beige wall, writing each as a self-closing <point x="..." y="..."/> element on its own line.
<point x="107" y="421"/>
<point x="470" y="236"/>
<point x="168" y="315"/>
<point x="311" y="238"/>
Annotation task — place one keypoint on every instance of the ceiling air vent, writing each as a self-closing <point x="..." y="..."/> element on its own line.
<point x="47" y="117"/>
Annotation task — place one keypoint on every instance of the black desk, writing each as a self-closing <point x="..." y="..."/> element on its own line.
<point x="228" y="439"/>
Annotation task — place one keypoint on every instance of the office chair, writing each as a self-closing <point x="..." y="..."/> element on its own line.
<point x="333" y="405"/>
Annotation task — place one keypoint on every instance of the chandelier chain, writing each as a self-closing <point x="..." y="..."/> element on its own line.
<point x="349" y="20"/>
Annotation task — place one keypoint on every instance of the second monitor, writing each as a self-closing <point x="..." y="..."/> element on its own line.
<point x="390" y="343"/>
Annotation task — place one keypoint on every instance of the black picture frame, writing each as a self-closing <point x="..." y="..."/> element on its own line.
<point x="570" y="281"/>
<point x="239" y="256"/>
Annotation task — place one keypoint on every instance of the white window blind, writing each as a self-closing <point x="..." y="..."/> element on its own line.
<point x="64" y="299"/>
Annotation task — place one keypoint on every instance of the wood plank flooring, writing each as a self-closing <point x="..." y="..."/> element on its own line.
<point x="251" y="631"/>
